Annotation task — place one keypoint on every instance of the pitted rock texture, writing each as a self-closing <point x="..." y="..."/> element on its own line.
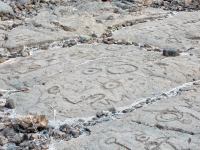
<point x="173" y="32"/>
<point x="105" y="74"/>
<point x="168" y="124"/>
<point x="82" y="80"/>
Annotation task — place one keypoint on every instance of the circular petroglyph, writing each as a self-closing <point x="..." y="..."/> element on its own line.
<point x="113" y="48"/>
<point x="122" y="69"/>
<point x="167" y="116"/>
<point x="53" y="90"/>
<point x="90" y="71"/>
<point x="142" y="138"/>
<point x="173" y="40"/>
<point x="111" y="85"/>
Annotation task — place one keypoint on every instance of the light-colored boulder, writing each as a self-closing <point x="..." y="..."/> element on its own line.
<point x="5" y="8"/>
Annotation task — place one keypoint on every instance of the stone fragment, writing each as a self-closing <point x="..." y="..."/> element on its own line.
<point x="5" y="8"/>
<point x="25" y="144"/>
<point x="148" y="101"/>
<point x="134" y="43"/>
<point x="149" y="47"/>
<point x="158" y="49"/>
<point x="44" y="47"/>
<point x="44" y="146"/>
<point x="2" y="126"/>
<point x="3" y="140"/>
<point x="81" y="120"/>
<point x="171" y="52"/>
<point x="7" y="132"/>
<point x="188" y="2"/>
<point x="75" y="133"/>
<point x="66" y="137"/>
<point x="10" y="104"/>
<point x="34" y="136"/>
<point x="25" y="137"/>
<point x="29" y="123"/>
<point x="33" y="146"/>
<point x="72" y="43"/>
<point x="127" y="110"/>
<point x="148" y="2"/>
<point x="58" y="133"/>
<point x="99" y="114"/>
<point x="158" y="2"/>
<point x="24" y="53"/>
<point x="115" y="10"/>
<point x="65" y="128"/>
<point x="16" y="139"/>
<point x="2" y="60"/>
<point x="112" y="110"/>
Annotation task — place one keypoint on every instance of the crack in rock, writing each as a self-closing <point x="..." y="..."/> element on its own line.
<point x="161" y="127"/>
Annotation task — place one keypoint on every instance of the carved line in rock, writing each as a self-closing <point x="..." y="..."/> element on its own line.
<point x="113" y="140"/>
<point x="53" y="90"/>
<point x="122" y="69"/>
<point x="98" y="104"/>
<point x="154" y="145"/>
<point x="94" y="100"/>
<point x="67" y="100"/>
<point x="142" y="138"/>
<point x="95" y="97"/>
<point x="98" y="99"/>
<point x="33" y="67"/>
<point x="114" y="48"/>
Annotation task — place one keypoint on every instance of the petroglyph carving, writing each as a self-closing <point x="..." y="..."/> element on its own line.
<point x="113" y="140"/>
<point x="122" y="69"/>
<point x="53" y="90"/>
<point x="168" y="115"/>
<point x="91" y="71"/>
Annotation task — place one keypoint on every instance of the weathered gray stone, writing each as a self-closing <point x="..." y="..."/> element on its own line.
<point x="176" y="31"/>
<point x="124" y="85"/>
<point x="23" y="36"/>
<point x="94" y="78"/>
<point x="7" y="132"/>
<point x="10" y="104"/>
<point x="3" y="140"/>
<point x="5" y="8"/>
<point x="171" y="52"/>
<point x="171" y="123"/>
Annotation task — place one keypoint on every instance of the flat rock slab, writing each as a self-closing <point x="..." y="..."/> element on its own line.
<point x="31" y="36"/>
<point x="84" y="79"/>
<point x="172" y="124"/>
<point x="63" y="22"/>
<point x="180" y="31"/>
